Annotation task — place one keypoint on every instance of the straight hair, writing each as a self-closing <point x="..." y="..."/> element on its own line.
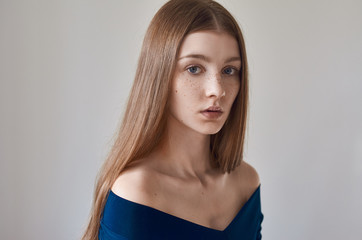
<point x="146" y="113"/>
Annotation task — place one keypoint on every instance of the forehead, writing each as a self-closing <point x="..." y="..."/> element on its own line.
<point x="211" y="43"/>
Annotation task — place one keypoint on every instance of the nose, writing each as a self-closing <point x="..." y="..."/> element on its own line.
<point x="214" y="87"/>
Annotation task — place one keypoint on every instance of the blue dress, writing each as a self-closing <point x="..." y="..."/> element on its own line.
<point x="126" y="220"/>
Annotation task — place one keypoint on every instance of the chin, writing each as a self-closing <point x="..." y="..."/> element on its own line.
<point x="211" y="128"/>
<point x="212" y="131"/>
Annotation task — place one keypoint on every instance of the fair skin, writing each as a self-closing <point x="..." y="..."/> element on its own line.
<point x="177" y="177"/>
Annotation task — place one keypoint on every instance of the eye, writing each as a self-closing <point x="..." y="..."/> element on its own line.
<point x="230" y="71"/>
<point x="194" y="69"/>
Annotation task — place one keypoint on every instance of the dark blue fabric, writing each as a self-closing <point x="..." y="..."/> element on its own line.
<point x="126" y="220"/>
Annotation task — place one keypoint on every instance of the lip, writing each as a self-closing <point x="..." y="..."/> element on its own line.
<point x="212" y="112"/>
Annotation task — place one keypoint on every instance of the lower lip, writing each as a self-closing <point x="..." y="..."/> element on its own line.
<point x="212" y="115"/>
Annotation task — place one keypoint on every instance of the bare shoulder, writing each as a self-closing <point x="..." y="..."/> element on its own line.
<point x="136" y="184"/>
<point x="248" y="178"/>
<point x="250" y="174"/>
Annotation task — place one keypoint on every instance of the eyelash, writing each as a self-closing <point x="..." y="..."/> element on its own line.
<point x="201" y="69"/>
<point x="193" y="66"/>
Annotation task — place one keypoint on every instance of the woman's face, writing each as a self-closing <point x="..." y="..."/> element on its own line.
<point x="206" y="81"/>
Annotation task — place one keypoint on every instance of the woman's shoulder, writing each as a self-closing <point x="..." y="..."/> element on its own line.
<point x="136" y="184"/>
<point x="247" y="178"/>
<point x="249" y="173"/>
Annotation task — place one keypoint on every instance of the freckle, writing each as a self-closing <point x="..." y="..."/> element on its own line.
<point x="176" y="91"/>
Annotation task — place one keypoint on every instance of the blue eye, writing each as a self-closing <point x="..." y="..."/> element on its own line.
<point x="229" y="71"/>
<point x="194" y="69"/>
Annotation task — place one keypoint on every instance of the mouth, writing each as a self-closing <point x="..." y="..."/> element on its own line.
<point x="213" y="109"/>
<point x="212" y="112"/>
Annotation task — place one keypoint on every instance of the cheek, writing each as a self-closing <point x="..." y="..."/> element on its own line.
<point x="186" y="88"/>
<point x="233" y="90"/>
<point x="185" y="96"/>
<point x="236" y="91"/>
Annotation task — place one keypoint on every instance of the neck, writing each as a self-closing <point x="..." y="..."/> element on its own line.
<point x="184" y="152"/>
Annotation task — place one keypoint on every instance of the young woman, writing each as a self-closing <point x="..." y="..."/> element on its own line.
<point x="176" y="169"/>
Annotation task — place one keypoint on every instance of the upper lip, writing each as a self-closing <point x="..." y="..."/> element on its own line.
<point x="213" y="109"/>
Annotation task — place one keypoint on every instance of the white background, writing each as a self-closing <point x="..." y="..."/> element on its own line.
<point x="66" y="68"/>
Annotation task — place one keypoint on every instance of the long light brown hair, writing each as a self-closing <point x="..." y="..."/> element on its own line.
<point x="145" y="117"/>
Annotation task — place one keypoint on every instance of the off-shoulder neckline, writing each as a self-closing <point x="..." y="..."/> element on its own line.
<point x="155" y="210"/>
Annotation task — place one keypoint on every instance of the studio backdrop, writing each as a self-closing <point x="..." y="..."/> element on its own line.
<point x="66" y="68"/>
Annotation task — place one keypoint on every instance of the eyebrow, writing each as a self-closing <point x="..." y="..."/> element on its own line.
<point x="206" y="59"/>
